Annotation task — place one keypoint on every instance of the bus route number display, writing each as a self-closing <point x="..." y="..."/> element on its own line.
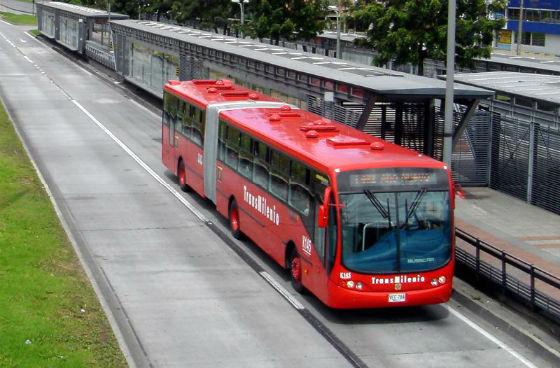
<point x="403" y="178"/>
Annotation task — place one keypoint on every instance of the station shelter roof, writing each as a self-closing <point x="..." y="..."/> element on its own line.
<point x="529" y="85"/>
<point x="377" y="80"/>
<point x="83" y="11"/>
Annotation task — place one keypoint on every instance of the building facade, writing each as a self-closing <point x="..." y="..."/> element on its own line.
<point x="540" y="26"/>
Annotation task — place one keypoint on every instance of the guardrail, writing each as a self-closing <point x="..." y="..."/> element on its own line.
<point x="508" y="272"/>
<point x="100" y="53"/>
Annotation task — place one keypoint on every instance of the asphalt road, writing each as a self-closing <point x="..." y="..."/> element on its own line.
<point x="15" y="6"/>
<point x="176" y="293"/>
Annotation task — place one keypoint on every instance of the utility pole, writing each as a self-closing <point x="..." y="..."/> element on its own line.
<point x="520" y="27"/>
<point x="336" y="9"/>
<point x="450" y="76"/>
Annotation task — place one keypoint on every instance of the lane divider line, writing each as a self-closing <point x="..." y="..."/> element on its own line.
<point x="293" y="301"/>
<point x="140" y="162"/>
<point x="489" y="336"/>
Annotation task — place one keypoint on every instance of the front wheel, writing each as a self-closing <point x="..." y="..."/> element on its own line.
<point x="296" y="271"/>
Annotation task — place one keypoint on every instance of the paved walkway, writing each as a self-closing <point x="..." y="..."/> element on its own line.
<point x="528" y="232"/>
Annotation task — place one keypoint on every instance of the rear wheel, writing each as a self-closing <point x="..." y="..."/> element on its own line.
<point x="296" y="271"/>
<point x="182" y="174"/>
<point x="234" y="224"/>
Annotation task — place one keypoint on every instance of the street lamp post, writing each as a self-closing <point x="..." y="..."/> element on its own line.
<point x="241" y="5"/>
<point x="520" y="27"/>
<point x="337" y="11"/>
<point x="450" y="75"/>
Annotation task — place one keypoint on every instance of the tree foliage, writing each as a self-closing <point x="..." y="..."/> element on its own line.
<point x="287" y="19"/>
<point x="410" y="31"/>
<point x="275" y="19"/>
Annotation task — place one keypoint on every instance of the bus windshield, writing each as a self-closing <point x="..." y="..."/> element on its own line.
<point x="406" y="229"/>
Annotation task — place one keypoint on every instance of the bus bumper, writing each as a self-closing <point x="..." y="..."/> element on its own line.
<point x="342" y="298"/>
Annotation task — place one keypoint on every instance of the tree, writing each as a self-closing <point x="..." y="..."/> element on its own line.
<point x="410" y="31"/>
<point x="288" y="19"/>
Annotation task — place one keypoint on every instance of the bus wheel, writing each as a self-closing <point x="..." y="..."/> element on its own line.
<point x="296" y="271"/>
<point x="182" y="174"/>
<point x="234" y="224"/>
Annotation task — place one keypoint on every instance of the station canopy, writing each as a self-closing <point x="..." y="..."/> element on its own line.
<point x="534" y="86"/>
<point x="379" y="81"/>
<point x="83" y="11"/>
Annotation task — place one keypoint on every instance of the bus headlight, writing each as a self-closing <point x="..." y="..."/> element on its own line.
<point x="359" y="286"/>
<point x="434" y="282"/>
<point x="442" y="279"/>
<point x="350" y="284"/>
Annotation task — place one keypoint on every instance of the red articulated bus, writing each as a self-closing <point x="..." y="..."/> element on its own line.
<point x="357" y="221"/>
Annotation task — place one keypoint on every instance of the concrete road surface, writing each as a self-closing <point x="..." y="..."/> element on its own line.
<point x="15" y="6"/>
<point x="178" y="296"/>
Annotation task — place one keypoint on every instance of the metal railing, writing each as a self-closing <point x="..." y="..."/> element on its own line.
<point x="508" y="272"/>
<point x="100" y="53"/>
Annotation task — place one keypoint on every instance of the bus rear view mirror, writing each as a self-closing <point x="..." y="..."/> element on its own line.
<point x="323" y="215"/>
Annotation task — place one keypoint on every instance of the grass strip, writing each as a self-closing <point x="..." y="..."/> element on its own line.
<point x="19" y="19"/>
<point x="49" y="313"/>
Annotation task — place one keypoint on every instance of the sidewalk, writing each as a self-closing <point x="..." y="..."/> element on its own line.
<point x="525" y="231"/>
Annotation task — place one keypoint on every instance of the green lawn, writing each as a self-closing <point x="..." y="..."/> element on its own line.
<point x="19" y="19"/>
<point x="49" y="313"/>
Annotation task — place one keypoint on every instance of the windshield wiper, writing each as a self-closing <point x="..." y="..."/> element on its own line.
<point x="415" y="203"/>
<point x="375" y="202"/>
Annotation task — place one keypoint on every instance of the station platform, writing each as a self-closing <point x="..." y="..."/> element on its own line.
<point x="512" y="225"/>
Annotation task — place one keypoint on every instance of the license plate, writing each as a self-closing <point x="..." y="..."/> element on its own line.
<point x="397" y="298"/>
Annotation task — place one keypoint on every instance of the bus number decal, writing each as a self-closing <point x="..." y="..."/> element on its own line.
<point x="345" y="275"/>
<point x="306" y="245"/>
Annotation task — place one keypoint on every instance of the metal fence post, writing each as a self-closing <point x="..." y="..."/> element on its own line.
<point x="531" y="163"/>
<point x="533" y="305"/>
<point x="504" y="278"/>
<point x="477" y="260"/>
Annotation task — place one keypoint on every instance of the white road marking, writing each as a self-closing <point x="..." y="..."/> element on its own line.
<point x="145" y="166"/>
<point x="489" y="336"/>
<point x="28" y="59"/>
<point x="5" y="22"/>
<point x="22" y="40"/>
<point x="35" y="39"/>
<point x="293" y="301"/>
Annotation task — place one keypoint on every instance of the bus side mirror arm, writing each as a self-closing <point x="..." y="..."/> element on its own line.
<point x="323" y="215"/>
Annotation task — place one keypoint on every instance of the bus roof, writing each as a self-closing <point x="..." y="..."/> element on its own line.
<point x="320" y="142"/>
<point x="204" y="92"/>
<point x="323" y="143"/>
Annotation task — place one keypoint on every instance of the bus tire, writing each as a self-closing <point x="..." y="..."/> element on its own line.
<point x="182" y="176"/>
<point x="296" y="271"/>
<point x="234" y="223"/>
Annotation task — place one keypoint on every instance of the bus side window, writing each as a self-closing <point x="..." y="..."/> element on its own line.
<point x="245" y="156"/>
<point x="198" y="127"/>
<point x="166" y="103"/>
<point x="181" y="116"/>
<point x="187" y="120"/>
<point x="279" y="174"/>
<point x="222" y="141"/>
<point x="232" y="147"/>
<point x="261" y="166"/>
<point x="300" y="196"/>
